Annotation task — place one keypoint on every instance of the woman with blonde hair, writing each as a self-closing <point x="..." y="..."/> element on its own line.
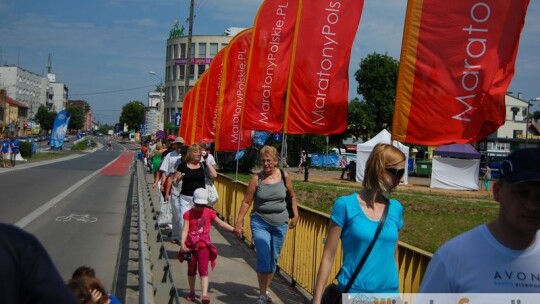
<point x="355" y="219"/>
<point x="191" y="172"/>
<point x="269" y="218"/>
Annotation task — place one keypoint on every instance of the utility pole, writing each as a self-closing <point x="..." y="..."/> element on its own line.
<point x="188" y="48"/>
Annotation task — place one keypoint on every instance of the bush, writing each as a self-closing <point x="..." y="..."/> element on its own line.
<point x="82" y="145"/>
<point x="25" y="148"/>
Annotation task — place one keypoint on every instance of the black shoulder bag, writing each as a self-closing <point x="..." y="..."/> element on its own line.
<point x="331" y="294"/>
<point x="288" y="198"/>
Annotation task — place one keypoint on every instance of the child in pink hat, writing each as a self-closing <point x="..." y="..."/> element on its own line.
<point x="197" y="247"/>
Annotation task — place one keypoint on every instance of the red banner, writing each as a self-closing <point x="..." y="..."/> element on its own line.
<point x="199" y="108"/>
<point x="318" y="94"/>
<point x="268" y="65"/>
<point x="214" y="82"/>
<point x="457" y="61"/>
<point x="185" y="123"/>
<point x="229" y="135"/>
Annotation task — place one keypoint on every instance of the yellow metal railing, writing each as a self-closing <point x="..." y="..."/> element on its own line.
<point x="303" y="246"/>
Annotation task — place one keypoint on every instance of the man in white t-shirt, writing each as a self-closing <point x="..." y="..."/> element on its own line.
<point x="168" y="167"/>
<point x="502" y="256"/>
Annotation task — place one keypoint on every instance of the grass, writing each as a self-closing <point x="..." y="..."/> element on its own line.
<point x="430" y="218"/>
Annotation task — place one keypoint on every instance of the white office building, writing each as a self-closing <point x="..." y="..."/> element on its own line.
<point x="203" y="49"/>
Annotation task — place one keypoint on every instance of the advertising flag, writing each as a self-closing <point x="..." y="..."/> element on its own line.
<point x="229" y="135"/>
<point x="268" y="65"/>
<point x="318" y="91"/>
<point x="58" y="132"/>
<point x="199" y="108"/>
<point x="187" y="110"/>
<point x="212" y="95"/>
<point x="457" y="61"/>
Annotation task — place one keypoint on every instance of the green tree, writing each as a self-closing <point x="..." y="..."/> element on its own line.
<point x="76" y="122"/>
<point x="361" y="120"/>
<point x="377" y="80"/>
<point x="45" y="118"/>
<point x="132" y="114"/>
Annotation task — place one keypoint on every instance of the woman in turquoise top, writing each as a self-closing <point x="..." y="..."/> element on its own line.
<point x="355" y="218"/>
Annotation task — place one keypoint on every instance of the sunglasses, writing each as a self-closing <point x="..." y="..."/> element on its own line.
<point x="199" y="205"/>
<point x="396" y="172"/>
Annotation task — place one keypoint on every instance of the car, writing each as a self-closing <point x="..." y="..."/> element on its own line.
<point x="66" y="139"/>
<point x="24" y="139"/>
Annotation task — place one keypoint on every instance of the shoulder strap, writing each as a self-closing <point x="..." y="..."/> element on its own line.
<point x="370" y="247"/>
<point x="283" y="178"/>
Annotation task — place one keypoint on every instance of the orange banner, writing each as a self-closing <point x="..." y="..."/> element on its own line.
<point x="457" y="61"/>
<point x="268" y="65"/>
<point x="229" y="135"/>
<point x="185" y="123"/>
<point x="214" y="82"/>
<point x="318" y="90"/>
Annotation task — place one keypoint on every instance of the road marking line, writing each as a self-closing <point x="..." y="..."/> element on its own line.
<point x="39" y="211"/>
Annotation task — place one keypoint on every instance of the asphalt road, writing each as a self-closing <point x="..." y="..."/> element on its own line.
<point x="75" y="207"/>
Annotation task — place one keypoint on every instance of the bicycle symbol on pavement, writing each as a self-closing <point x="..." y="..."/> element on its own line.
<point x="86" y="218"/>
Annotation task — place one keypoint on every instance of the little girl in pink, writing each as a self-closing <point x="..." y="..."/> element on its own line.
<point x="196" y="241"/>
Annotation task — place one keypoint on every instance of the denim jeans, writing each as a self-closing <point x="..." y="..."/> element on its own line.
<point x="268" y="241"/>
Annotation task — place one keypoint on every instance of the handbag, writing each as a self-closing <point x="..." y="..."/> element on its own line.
<point x="332" y="294"/>
<point x="288" y="198"/>
<point x="213" y="195"/>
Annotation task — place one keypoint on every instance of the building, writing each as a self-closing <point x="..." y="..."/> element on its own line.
<point x="13" y="116"/>
<point x="203" y="49"/>
<point x="25" y="87"/>
<point x="518" y="131"/>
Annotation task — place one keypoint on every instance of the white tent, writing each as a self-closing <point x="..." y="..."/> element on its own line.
<point x="455" y="173"/>
<point x="363" y="151"/>
<point x="455" y="167"/>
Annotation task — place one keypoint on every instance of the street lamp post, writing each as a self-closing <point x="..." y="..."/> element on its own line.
<point x="161" y="120"/>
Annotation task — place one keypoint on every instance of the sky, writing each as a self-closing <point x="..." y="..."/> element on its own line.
<point x="103" y="50"/>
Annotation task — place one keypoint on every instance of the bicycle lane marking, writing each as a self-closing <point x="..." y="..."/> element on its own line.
<point x="119" y="166"/>
<point x="39" y="211"/>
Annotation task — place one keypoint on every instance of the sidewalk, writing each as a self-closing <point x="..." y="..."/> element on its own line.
<point x="234" y="279"/>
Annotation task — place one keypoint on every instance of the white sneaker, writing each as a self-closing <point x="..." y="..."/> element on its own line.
<point x="261" y="299"/>
<point x="268" y="298"/>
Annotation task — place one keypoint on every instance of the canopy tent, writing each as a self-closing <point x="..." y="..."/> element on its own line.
<point x="456" y="168"/>
<point x="457" y="150"/>
<point x="363" y="151"/>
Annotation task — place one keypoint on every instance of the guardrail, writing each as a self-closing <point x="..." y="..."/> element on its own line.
<point x="304" y="245"/>
<point x="164" y="287"/>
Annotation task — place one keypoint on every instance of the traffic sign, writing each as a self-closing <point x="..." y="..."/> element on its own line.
<point x="177" y="117"/>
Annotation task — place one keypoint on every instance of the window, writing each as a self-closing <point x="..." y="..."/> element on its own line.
<point x="174" y="72"/>
<point x="202" y="50"/>
<point x="200" y="69"/>
<point x="182" y="72"/>
<point x="224" y="45"/>
<point x="192" y="50"/>
<point x="182" y="50"/>
<point x="180" y="93"/>
<point x="175" y="52"/>
<point x="192" y="71"/>
<point x="213" y="49"/>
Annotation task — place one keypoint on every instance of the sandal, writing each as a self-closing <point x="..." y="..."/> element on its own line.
<point x="191" y="296"/>
<point x="205" y="300"/>
<point x="175" y="241"/>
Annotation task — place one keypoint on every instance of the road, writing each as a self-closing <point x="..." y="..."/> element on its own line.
<point x="75" y="207"/>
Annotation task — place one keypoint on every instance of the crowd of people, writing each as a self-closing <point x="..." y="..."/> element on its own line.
<point x="497" y="257"/>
